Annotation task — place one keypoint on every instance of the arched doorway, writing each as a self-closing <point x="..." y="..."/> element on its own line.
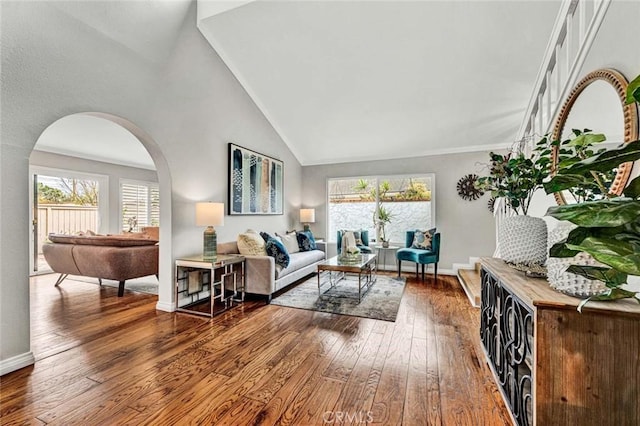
<point x="112" y="222"/>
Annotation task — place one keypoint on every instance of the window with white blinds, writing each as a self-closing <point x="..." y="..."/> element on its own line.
<point x="139" y="205"/>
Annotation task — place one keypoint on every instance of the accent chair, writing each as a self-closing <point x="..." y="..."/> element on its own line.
<point x="418" y="255"/>
<point x="364" y="240"/>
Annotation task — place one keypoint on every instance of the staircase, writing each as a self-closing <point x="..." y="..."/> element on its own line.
<point x="471" y="283"/>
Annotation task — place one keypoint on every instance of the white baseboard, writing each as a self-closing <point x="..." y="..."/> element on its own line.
<point x="458" y="266"/>
<point x="17" y="362"/>
<point x="470" y="265"/>
<point x="409" y="269"/>
<point x="166" y="307"/>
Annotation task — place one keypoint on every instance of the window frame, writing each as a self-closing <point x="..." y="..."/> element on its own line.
<point x="378" y="178"/>
<point x="134" y="182"/>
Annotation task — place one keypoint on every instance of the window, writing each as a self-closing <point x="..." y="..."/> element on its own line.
<point x="64" y="201"/>
<point x="386" y="206"/>
<point x="139" y="205"/>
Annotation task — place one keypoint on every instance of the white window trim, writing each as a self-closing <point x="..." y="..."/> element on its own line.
<point x="432" y="176"/>
<point x="125" y="181"/>
<point x="103" y="190"/>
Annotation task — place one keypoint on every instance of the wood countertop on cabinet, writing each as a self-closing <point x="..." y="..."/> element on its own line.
<point x="537" y="292"/>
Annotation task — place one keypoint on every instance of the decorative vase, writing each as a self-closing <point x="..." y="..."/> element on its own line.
<point x="567" y="282"/>
<point x="523" y="240"/>
<point x="385" y="244"/>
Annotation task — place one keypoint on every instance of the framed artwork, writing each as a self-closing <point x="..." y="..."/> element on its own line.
<point x="255" y="183"/>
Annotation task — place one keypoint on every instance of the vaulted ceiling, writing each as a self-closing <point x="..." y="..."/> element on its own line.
<point x="353" y="80"/>
<point x="349" y="80"/>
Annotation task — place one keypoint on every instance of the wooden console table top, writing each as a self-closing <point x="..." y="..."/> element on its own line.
<point x="537" y="292"/>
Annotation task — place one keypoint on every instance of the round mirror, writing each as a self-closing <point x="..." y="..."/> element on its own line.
<point x="598" y="103"/>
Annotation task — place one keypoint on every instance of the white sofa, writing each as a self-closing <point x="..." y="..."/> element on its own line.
<point x="264" y="277"/>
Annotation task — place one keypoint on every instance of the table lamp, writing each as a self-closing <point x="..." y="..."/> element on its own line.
<point x="210" y="214"/>
<point x="307" y="216"/>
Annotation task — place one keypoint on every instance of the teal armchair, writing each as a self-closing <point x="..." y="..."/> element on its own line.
<point x="364" y="236"/>
<point x="420" y="256"/>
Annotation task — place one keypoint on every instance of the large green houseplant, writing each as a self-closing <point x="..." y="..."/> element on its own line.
<point x="608" y="229"/>
<point x="515" y="177"/>
<point x="582" y="145"/>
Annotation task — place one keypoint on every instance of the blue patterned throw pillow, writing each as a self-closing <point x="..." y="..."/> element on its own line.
<point x="277" y="250"/>
<point x="306" y="241"/>
<point x="265" y="236"/>
<point x="422" y="239"/>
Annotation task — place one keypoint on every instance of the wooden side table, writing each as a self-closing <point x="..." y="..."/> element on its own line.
<point x="208" y="287"/>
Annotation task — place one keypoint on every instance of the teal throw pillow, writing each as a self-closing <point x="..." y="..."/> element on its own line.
<point x="306" y="241"/>
<point x="278" y="251"/>
<point x="422" y="239"/>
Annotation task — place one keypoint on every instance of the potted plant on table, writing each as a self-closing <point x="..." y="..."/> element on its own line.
<point x="382" y="217"/>
<point x="515" y="177"/>
<point x="575" y="189"/>
<point x="608" y="229"/>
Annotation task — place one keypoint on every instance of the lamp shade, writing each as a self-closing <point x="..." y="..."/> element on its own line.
<point x="209" y="214"/>
<point x="307" y="215"/>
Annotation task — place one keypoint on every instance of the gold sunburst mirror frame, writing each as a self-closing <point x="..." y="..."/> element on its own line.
<point x="630" y="114"/>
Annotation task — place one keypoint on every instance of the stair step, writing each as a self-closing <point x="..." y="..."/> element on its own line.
<point x="471" y="283"/>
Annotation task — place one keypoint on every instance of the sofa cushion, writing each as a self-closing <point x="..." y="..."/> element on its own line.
<point x="422" y="239"/>
<point x="278" y="251"/>
<point x="300" y="260"/>
<point x="290" y="241"/>
<point x="251" y="243"/>
<point x="152" y="231"/>
<point x="102" y="240"/>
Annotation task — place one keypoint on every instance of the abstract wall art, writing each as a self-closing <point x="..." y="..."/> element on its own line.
<point x="255" y="183"/>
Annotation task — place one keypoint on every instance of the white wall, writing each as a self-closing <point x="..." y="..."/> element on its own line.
<point x="467" y="227"/>
<point x="616" y="46"/>
<point x="60" y="58"/>
<point x="114" y="172"/>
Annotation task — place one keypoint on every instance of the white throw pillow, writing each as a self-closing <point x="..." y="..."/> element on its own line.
<point x="251" y="243"/>
<point x="290" y="241"/>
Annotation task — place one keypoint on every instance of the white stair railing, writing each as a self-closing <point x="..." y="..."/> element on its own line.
<point x="574" y="31"/>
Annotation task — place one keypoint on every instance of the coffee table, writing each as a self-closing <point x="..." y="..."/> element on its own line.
<point x="365" y="265"/>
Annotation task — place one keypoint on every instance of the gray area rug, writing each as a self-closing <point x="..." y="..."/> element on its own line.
<point x="147" y="285"/>
<point x="380" y="302"/>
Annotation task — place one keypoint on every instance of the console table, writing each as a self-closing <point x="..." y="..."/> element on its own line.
<point x="207" y="287"/>
<point x="553" y="364"/>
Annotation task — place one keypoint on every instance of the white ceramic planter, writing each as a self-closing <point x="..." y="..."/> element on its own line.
<point x="523" y="240"/>
<point x="566" y="282"/>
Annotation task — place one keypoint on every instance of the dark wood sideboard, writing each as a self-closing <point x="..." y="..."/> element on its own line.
<point x="553" y="364"/>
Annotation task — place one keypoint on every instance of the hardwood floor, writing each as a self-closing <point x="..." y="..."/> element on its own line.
<point x="108" y="360"/>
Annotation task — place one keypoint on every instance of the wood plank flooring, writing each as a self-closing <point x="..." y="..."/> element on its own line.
<point x="104" y="360"/>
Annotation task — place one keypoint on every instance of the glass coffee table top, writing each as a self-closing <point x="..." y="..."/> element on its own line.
<point x="364" y="265"/>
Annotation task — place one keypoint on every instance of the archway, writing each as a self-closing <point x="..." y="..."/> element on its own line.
<point x="165" y="293"/>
